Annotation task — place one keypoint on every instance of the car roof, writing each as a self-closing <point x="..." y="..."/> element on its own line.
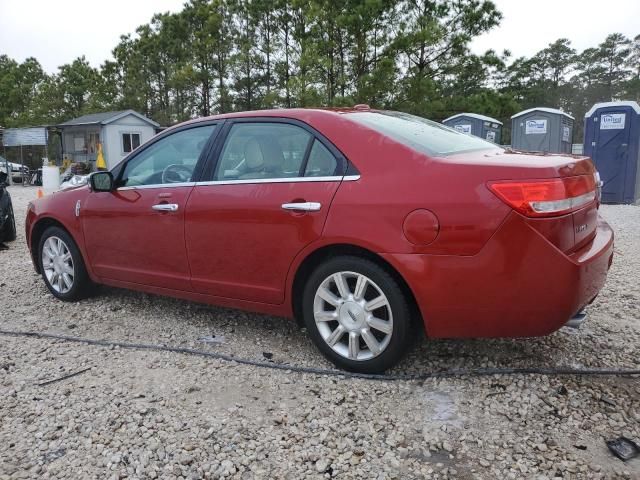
<point x="302" y="114"/>
<point x="285" y="112"/>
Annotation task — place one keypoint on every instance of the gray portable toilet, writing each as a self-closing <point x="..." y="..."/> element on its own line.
<point x="612" y="140"/>
<point x="481" y="126"/>
<point x="542" y="130"/>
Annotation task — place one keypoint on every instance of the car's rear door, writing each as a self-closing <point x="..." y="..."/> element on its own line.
<point x="266" y="197"/>
<point x="135" y="233"/>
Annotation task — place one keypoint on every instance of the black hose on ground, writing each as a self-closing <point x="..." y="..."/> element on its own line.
<point x="455" y="372"/>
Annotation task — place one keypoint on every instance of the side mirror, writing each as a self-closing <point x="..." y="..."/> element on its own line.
<point x="3" y="178"/>
<point x="101" y="181"/>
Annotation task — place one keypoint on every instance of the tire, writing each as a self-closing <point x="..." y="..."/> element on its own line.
<point x="81" y="285"/>
<point x="366" y="338"/>
<point x="10" y="232"/>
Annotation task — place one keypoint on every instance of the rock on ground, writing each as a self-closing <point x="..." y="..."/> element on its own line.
<point x="147" y="414"/>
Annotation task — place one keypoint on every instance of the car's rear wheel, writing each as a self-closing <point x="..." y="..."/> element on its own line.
<point x="357" y="314"/>
<point x="62" y="266"/>
<point x="10" y="232"/>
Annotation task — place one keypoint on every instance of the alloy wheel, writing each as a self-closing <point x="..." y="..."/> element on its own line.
<point x="57" y="263"/>
<point x="353" y="315"/>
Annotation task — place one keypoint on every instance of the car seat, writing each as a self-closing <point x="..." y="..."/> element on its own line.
<point x="263" y="159"/>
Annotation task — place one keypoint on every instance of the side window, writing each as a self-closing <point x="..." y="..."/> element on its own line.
<point x="321" y="162"/>
<point x="170" y="160"/>
<point x="262" y="150"/>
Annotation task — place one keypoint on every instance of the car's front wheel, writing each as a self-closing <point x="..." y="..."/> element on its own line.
<point x="62" y="266"/>
<point x="357" y="314"/>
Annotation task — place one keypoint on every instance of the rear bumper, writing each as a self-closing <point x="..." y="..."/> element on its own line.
<point x="518" y="285"/>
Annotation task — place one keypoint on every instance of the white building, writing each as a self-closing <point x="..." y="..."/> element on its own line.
<point x="118" y="132"/>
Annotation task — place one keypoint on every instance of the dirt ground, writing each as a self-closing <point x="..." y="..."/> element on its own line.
<point x="149" y="414"/>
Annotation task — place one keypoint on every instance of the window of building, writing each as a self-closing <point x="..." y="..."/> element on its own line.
<point x="130" y="141"/>
<point x="79" y="144"/>
<point x="94" y="139"/>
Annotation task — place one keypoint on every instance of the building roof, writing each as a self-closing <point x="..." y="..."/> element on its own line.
<point x="543" y="109"/>
<point x="474" y="115"/>
<point x="104" y="118"/>
<point x="631" y="104"/>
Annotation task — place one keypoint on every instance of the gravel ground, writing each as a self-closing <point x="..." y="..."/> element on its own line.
<point x="147" y="414"/>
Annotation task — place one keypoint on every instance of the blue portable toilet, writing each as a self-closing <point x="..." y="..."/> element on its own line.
<point x="612" y="140"/>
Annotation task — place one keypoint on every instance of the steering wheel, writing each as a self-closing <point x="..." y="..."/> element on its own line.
<point x="176" y="174"/>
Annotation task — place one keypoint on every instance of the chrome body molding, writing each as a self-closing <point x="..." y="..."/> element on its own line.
<point x="336" y="178"/>
<point x="157" y="185"/>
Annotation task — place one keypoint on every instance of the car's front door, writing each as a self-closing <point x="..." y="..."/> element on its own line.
<point x="135" y="233"/>
<point x="266" y="199"/>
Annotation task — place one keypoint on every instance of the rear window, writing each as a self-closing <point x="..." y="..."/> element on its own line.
<point x="419" y="133"/>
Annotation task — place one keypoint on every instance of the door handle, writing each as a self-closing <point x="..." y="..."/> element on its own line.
<point x="305" y="206"/>
<point x="166" y="207"/>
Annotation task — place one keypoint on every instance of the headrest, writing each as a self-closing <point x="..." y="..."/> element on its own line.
<point x="273" y="156"/>
<point x="253" y="154"/>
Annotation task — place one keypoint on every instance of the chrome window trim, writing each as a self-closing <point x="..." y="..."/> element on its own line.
<point x="157" y="185"/>
<point x="336" y="178"/>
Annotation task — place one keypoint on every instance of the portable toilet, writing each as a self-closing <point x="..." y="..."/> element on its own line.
<point x="542" y="130"/>
<point x="478" y="125"/>
<point x="612" y="140"/>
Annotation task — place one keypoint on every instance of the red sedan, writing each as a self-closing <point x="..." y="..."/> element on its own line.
<point x="361" y="224"/>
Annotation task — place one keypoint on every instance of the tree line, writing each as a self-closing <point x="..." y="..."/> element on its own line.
<point x="218" y="56"/>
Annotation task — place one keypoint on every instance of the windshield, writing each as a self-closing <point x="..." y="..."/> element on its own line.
<point x="419" y="133"/>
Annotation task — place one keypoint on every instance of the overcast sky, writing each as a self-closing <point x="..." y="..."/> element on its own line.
<point x="58" y="32"/>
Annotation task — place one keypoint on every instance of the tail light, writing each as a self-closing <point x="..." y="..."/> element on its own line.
<point x="547" y="198"/>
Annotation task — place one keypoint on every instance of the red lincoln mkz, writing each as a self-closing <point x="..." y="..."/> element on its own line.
<point x="359" y="223"/>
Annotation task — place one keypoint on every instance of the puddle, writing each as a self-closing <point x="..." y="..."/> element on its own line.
<point x="441" y="409"/>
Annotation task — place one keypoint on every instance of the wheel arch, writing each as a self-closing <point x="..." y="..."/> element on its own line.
<point x="38" y="230"/>
<point x="321" y="254"/>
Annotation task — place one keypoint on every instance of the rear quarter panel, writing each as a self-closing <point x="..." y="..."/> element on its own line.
<point x="396" y="180"/>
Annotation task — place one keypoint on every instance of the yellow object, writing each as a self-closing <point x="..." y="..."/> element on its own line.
<point x="40" y="194"/>
<point x="100" y="163"/>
